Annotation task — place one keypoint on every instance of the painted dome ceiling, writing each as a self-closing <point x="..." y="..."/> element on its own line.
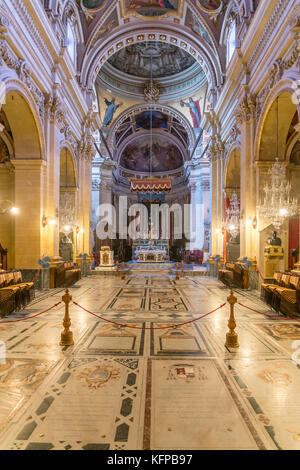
<point x="154" y="154"/>
<point x="175" y="71"/>
<point x="163" y="59"/>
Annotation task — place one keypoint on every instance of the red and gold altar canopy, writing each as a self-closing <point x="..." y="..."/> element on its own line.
<point x="151" y="185"/>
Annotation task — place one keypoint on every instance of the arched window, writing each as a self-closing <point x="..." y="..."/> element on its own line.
<point x="71" y="40"/>
<point x="231" y="40"/>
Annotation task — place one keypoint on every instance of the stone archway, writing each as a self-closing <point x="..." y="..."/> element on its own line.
<point x="26" y="182"/>
<point x="277" y="137"/>
<point x="202" y="52"/>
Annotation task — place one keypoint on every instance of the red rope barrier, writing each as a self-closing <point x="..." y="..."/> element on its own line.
<point x="268" y="315"/>
<point x="157" y="328"/>
<point x="36" y="276"/>
<point x="33" y="316"/>
<point x="259" y="272"/>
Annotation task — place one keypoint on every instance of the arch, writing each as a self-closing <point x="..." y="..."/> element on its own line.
<point x="295" y="140"/>
<point x="23" y="123"/>
<point x="284" y="86"/>
<point x="68" y="173"/>
<point x="232" y="9"/>
<point x="71" y="7"/>
<point x="133" y="110"/>
<point x="232" y="170"/>
<point x="156" y="133"/>
<point x="135" y="33"/>
<point x="73" y="29"/>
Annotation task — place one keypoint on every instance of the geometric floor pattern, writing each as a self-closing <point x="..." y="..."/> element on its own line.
<point x="157" y="381"/>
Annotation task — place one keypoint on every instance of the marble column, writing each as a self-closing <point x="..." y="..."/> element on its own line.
<point x="247" y="194"/>
<point x="29" y="194"/>
<point x="107" y="169"/>
<point x="216" y="203"/>
<point x="53" y="189"/>
<point x="198" y="175"/>
<point x="7" y="220"/>
<point x="84" y="205"/>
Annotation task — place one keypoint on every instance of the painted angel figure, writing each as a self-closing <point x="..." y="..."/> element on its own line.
<point x="194" y="110"/>
<point x="110" y="111"/>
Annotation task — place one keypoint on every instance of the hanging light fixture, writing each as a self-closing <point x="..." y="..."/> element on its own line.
<point x="278" y="205"/>
<point x="151" y="184"/>
<point x="232" y="222"/>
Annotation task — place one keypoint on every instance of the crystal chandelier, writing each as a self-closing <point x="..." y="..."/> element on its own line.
<point x="232" y="222"/>
<point x="278" y="204"/>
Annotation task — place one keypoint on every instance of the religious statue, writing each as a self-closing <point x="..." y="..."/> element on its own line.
<point x="194" y="110"/>
<point x="110" y="111"/>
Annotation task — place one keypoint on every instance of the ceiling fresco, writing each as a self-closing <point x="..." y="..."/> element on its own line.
<point x="154" y="119"/>
<point x="137" y="156"/>
<point x="151" y="8"/>
<point x="164" y="60"/>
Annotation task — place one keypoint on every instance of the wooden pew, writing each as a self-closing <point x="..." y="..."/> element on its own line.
<point x="14" y="294"/>
<point x="65" y="275"/>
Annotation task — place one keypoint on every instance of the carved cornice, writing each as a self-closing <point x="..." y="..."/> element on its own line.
<point x="279" y="12"/>
<point x="23" y="73"/>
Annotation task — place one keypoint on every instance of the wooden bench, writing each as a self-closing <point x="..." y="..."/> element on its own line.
<point x="235" y="275"/>
<point x="226" y="275"/>
<point x="284" y="294"/>
<point x="14" y="294"/>
<point x="64" y="275"/>
<point x="286" y="299"/>
<point x="266" y="293"/>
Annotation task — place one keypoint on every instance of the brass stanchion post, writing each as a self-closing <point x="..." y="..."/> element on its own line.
<point x="232" y="337"/>
<point x="67" y="335"/>
<point x="182" y="270"/>
<point x="123" y="271"/>
<point x="177" y="271"/>
<point x="117" y="269"/>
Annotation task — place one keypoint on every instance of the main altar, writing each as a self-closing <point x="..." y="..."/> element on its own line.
<point x="151" y="251"/>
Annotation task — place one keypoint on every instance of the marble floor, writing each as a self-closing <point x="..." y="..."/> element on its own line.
<point x="149" y="384"/>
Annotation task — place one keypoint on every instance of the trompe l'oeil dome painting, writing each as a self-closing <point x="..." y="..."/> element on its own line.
<point x="163" y="157"/>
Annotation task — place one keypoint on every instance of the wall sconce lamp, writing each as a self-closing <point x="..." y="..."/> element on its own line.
<point x="252" y="222"/>
<point x="7" y="207"/>
<point x="46" y="221"/>
<point x="14" y="210"/>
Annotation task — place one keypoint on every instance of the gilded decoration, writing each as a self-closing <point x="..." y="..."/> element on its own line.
<point x="149" y="9"/>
